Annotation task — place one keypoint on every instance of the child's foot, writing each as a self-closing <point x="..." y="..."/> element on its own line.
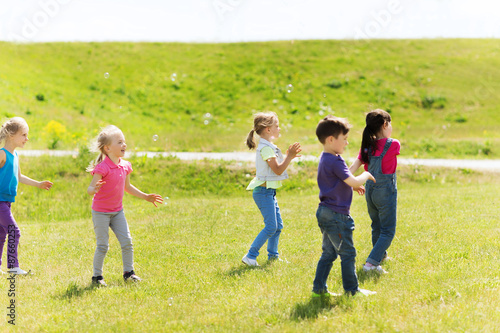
<point x="249" y="262"/>
<point x="17" y="271"/>
<point x="99" y="281"/>
<point x="131" y="276"/>
<point x="362" y="292"/>
<point x="369" y="267"/>
<point x="324" y="294"/>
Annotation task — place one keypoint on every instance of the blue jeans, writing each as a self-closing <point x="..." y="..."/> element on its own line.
<point x="381" y="200"/>
<point x="265" y="198"/>
<point x="337" y="241"/>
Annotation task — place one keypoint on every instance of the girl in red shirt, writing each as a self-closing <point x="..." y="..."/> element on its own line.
<point x="379" y="155"/>
<point x="111" y="177"/>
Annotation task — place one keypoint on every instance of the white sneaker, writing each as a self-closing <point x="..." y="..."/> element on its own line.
<point x="249" y="262"/>
<point x="17" y="271"/>
<point x="377" y="269"/>
<point x="366" y="292"/>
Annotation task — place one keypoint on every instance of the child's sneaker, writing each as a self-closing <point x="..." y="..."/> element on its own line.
<point x="365" y="292"/>
<point x="17" y="271"/>
<point x="131" y="275"/>
<point x="362" y="292"/>
<point x="249" y="262"/>
<point x="373" y="268"/>
<point x="325" y="294"/>
<point x="99" y="281"/>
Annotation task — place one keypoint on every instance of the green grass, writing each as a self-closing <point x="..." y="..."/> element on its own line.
<point x="443" y="275"/>
<point x="441" y="93"/>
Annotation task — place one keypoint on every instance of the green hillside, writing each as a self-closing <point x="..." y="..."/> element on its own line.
<point x="442" y="94"/>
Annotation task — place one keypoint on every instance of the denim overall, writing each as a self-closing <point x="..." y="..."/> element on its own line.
<point x="381" y="199"/>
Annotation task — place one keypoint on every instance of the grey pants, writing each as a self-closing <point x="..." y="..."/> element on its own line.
<point x="117" y="222"/>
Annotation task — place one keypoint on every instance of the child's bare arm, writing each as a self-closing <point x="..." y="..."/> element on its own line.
<point x="44" y="184"/>
<point x="356" y="182"/>
<point x="291" y="153"/>
<point x="95" y="184"/>
<point x="152" y="197"/>
<point x="355" y="166"/>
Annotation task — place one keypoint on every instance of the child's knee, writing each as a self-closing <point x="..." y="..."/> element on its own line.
<point x="126" y="243"/>
<point x="102" y="248"/>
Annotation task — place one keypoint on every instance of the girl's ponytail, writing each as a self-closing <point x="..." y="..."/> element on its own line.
<point x="367" y="142"/>
<point x="375" y="120"/>
<point x="261" y="121"/>
<point x="250" y="142"/>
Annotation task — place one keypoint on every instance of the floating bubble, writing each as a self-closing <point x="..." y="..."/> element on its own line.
<point x="173" y="77"/>
<point x="155" y="137"/>
<point x="207" y="117"/>
<point x="170" y="301"/>
<point x="106" y="75"/>
<point x="165" y="202"/>
<point x="289" y="88"/>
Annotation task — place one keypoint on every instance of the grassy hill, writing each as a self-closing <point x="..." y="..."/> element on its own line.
<point x="442" y="94"/>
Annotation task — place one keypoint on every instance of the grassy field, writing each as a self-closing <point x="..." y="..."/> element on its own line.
<point x="443" y="275"/>
<point x="442" y="94"/>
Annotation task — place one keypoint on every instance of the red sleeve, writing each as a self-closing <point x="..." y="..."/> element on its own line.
<point x="100" y="169"/>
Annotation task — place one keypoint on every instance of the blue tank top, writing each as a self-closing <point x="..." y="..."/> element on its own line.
<point x="9" y="177"/>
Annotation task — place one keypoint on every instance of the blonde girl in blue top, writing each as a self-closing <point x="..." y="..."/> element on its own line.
<point x="270" y="171"/>
<point x="15" y="134"/>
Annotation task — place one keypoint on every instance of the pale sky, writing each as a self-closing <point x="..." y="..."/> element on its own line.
<point x="244" y="20"/>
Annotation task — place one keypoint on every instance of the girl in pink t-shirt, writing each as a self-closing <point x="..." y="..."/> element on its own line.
<point x="111" y="177"/>
<point x="379" y="155"/>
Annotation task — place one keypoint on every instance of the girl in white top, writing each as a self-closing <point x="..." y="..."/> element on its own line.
<point x="270" y="171"/>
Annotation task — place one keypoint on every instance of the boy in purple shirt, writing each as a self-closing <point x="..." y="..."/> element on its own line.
<point x="336" y="184"/>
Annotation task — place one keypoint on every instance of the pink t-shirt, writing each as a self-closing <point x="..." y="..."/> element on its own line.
<point x="390" y="160"/>
<point x="110" y="196"/>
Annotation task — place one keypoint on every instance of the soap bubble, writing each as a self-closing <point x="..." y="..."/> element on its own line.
<point x="207" y="117"/>
<point x="173" y="77"/>
<point x="106" y="75"/>
<point x="155" y="137"/>
<point x="170" y="301"/>
<point x="289" y="88"/>
<point x="165" y="200"/>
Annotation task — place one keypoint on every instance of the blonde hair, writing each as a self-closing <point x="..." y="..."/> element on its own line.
<point x="104" y="138"/>
<point x="261" y="121"/>
<point x="11" y="127"/>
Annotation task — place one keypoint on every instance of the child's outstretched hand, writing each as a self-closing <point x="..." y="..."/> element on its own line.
<point x="98" y="185"/>
<point x="45" y="185"/>
<point x="154" y="198"/>
<point x="294" y="149"/>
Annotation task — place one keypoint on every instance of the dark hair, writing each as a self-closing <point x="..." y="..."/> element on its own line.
<point x="374" y="121"/>
<point x="261" y="121"/>
<point x="331" y="126"/>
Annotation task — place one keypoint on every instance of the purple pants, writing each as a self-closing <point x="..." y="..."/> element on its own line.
<point x="9" y="227"/>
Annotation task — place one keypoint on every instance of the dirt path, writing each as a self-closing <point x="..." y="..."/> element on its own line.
<point x="483" y="165"/>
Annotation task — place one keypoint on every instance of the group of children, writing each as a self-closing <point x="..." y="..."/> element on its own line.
<point x="111" y="178"/>
<point x="336" y="183"/>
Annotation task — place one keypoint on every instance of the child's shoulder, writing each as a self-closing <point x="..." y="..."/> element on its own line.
<point x="330" y="159"/>
<point x="395" y="145"/>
